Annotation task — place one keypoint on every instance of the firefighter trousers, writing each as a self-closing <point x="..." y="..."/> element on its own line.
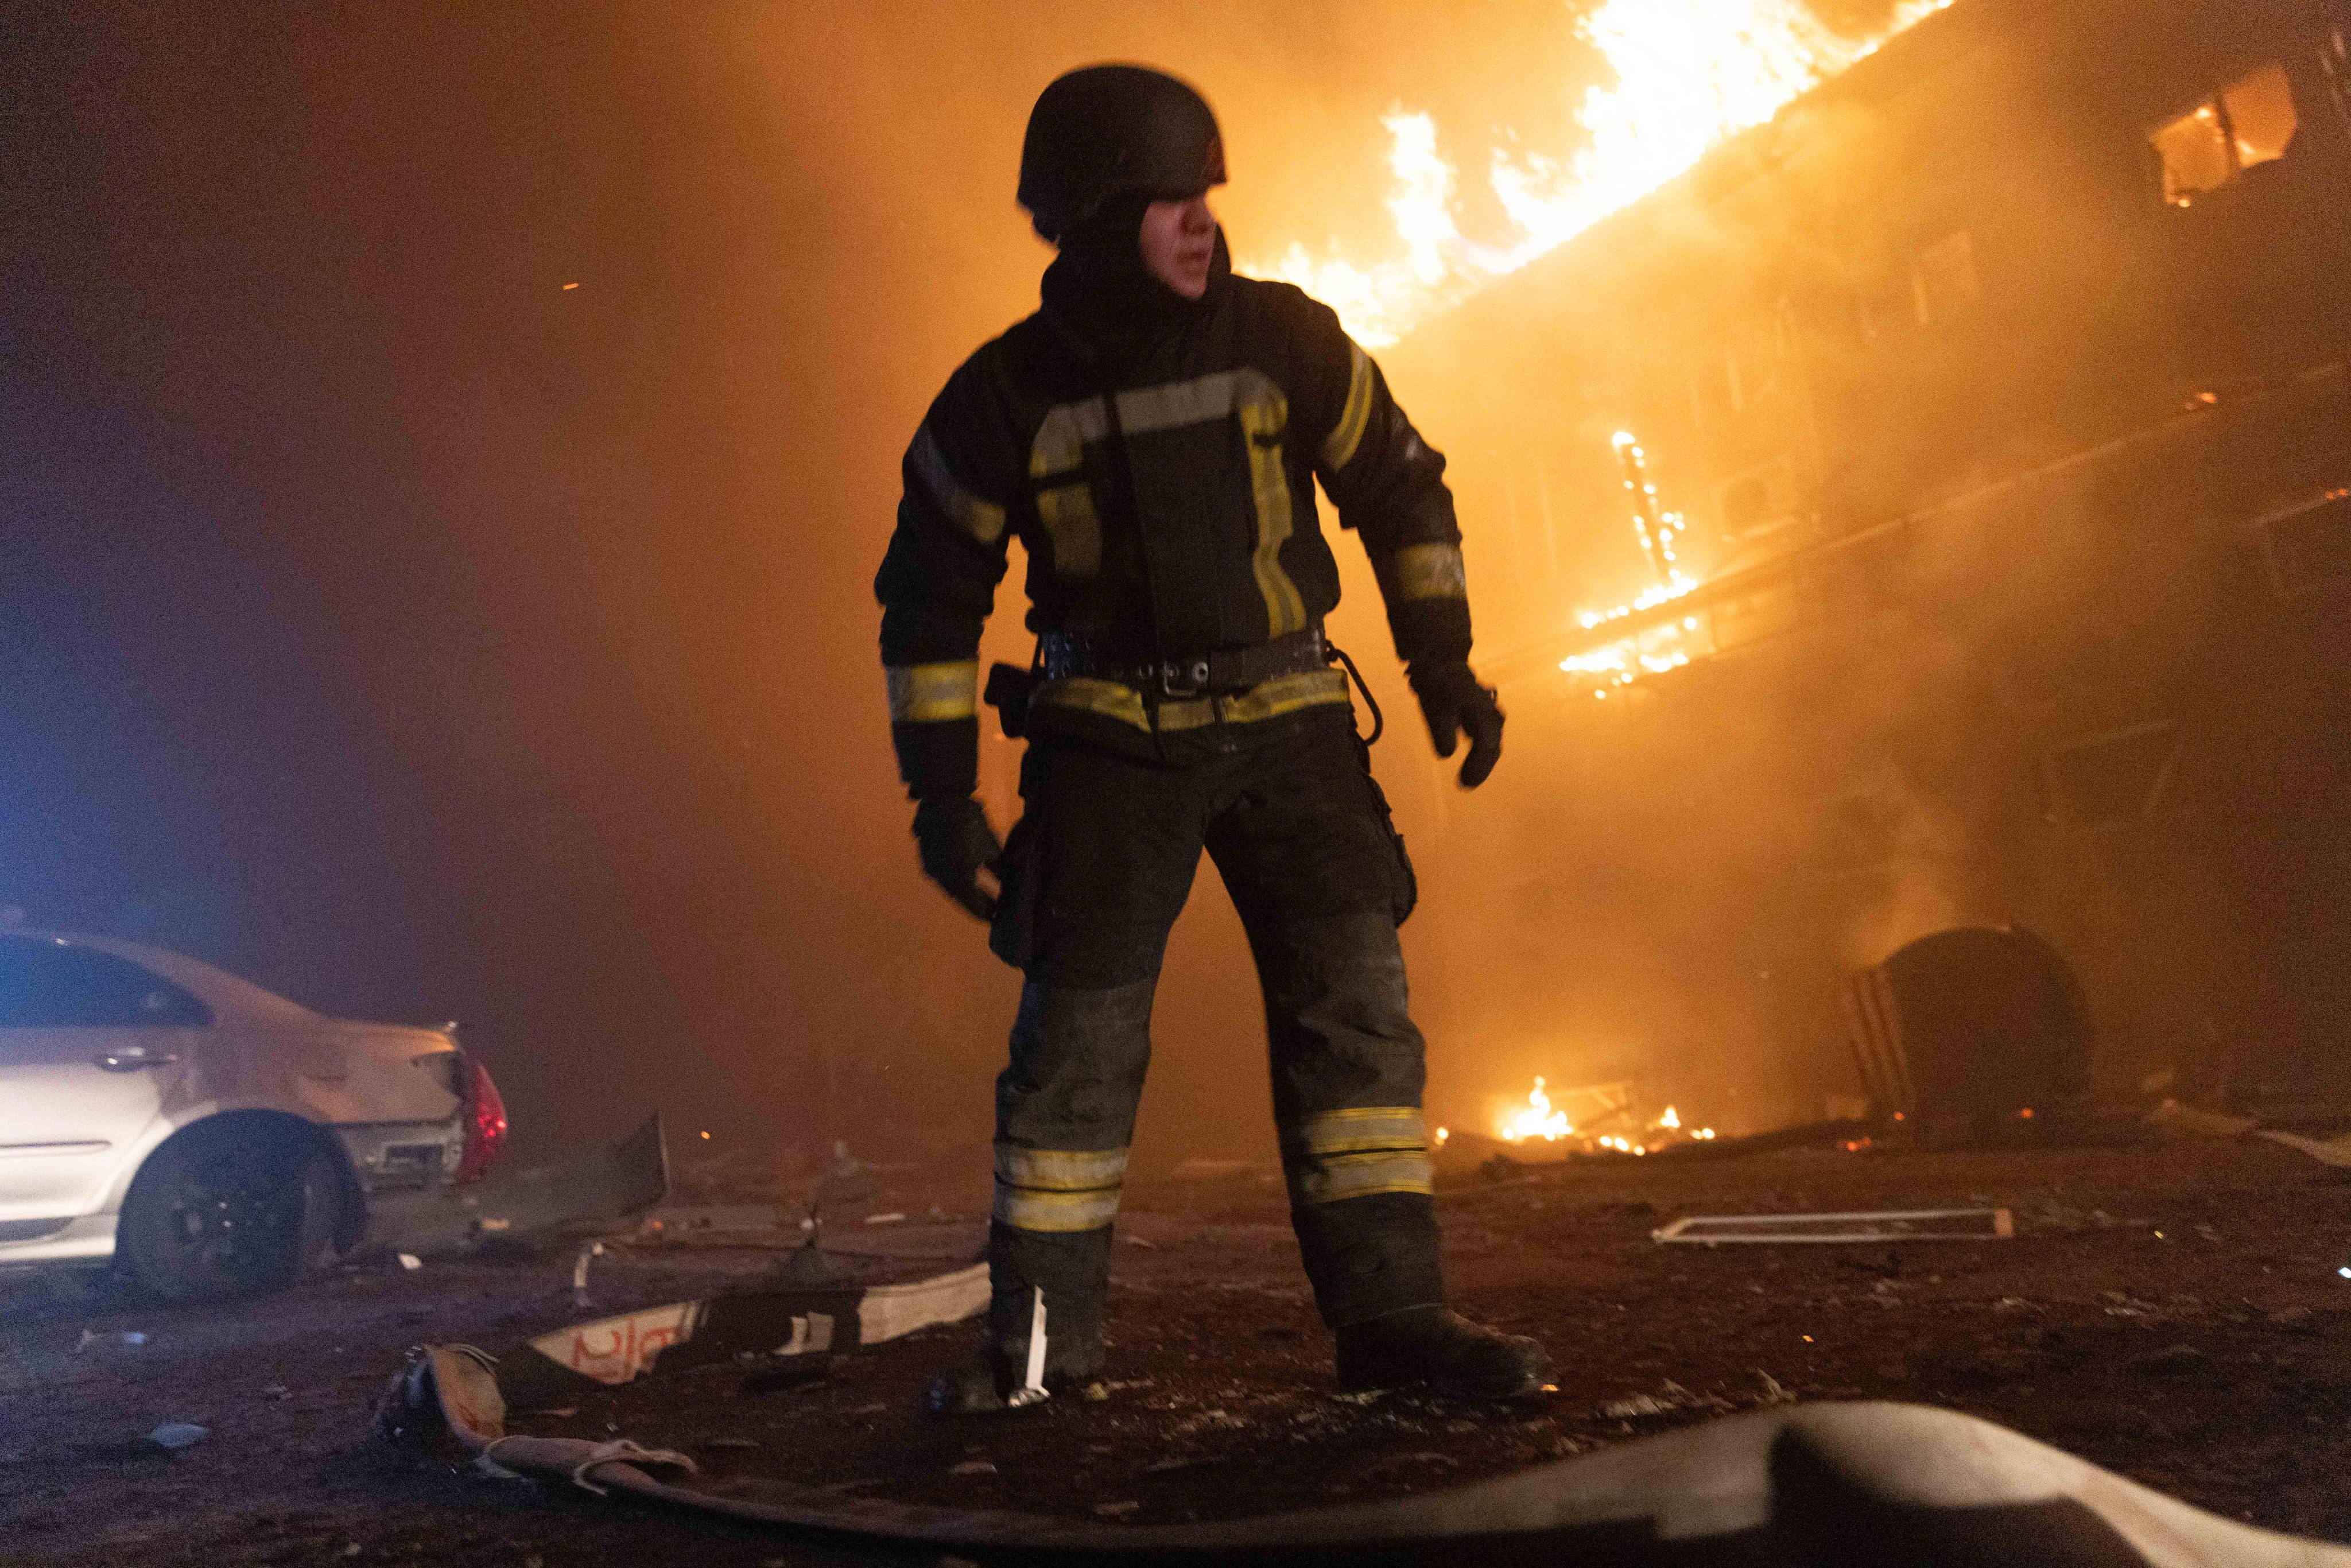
<point x="1095" y="874"/>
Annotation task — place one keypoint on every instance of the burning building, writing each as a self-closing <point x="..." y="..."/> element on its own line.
<point x="1933" y="509"/>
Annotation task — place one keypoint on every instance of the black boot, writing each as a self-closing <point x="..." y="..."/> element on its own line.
<point x="986" y="1383"/>
<point x="1438" y="1347"/>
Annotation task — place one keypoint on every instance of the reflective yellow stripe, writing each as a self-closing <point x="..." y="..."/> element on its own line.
<point x="1268" y="699"/>
<point x="1425" y="571"/>
<point x="983" y="520"/>
<point x="1285" y="694"/>
<point x="1058" y="1189"/>
<point x="1061" y="443"/>
<point x="1356" y="1153"/>
<point x="927" y="694"/>
<point x="1368" y="1127"/>
<point x="1264" y="412"/>
<point x="1332" y="1177"/>
<point x="1061" y="1170"/>
<point x="1189" y="713"/>
<point x="1068" y="513"/>
<point x="1087" y="695"/>
<point x="1055" y="1211"/>
<point x="1348" y="434"/>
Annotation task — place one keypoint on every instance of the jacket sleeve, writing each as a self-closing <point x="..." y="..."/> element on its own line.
<point x="1389" y="486"/>
<point x="936" y="585"/>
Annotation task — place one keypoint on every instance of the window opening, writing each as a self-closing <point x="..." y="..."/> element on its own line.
<point x="2250" y="123"/>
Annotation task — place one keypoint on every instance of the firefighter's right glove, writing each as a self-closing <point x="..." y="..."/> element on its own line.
<point x="1454" y="705"/>
<point x="957" y="844"/>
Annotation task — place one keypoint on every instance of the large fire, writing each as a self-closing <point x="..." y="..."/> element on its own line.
<point x="1689" y="73"/>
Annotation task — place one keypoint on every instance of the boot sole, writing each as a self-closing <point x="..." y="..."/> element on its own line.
<point x="1492" y="1392"/>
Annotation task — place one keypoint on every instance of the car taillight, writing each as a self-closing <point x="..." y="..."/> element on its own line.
<point x="485" y="1120"/>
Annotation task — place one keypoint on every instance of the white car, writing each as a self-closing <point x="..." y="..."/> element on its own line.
<point x="207" y="1137"/>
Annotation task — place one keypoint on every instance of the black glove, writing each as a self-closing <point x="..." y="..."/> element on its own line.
<point x="1455" y="704"/>
<point x="957" y="844"/>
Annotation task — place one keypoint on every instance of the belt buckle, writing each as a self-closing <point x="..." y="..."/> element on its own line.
<point x="1183" y="677"/>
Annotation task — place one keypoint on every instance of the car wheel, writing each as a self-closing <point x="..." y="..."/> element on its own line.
<point x="227" y="1213"/>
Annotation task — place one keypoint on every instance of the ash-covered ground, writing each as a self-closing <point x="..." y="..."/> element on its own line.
<point x="2173" y="1312"/>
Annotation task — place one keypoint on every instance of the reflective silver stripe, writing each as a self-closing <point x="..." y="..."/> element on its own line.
<point x="1175" y="405"/>
<point x="1172" y="406"/>
<point x="1061" y="1170"/>
<point x="1329" y="1179"/>
<point x="927" y="694"/>
<point x="1339" y="449"/>
<point x="1068" y="513"/>
<point x="1055" y="1211"/>
<point x="1365" y="1127"/>
<point x="983" y="520"/>
<point x="1425" y="571"/>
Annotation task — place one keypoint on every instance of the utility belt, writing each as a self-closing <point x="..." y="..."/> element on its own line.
<point x="1064" y="655"/>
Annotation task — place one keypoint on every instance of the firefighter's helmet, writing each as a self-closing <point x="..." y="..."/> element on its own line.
<point x="1110" y="130"/>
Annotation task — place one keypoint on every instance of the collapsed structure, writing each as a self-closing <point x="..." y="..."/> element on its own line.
<point x="1935" y="510"/>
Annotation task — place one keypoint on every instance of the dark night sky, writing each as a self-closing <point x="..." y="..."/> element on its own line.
<point x="387" y="622"/>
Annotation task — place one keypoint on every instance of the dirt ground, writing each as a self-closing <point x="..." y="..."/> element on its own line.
<point x="2173" y="1313"/>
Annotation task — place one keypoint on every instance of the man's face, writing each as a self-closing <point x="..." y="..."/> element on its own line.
<point x="1178" y="240"/>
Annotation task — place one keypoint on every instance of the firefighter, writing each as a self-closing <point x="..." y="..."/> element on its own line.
<point x="1153" y="435"/>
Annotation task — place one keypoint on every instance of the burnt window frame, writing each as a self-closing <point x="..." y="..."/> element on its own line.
<point x="2216" y="99"/>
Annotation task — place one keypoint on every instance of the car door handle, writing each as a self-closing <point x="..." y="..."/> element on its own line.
<point x="131" y="1058"/>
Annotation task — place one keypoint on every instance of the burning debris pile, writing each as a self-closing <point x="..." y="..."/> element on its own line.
<point x="1607" y="1119"/>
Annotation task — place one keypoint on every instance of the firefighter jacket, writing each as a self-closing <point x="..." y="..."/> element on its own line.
<point x="1163" y="494"/>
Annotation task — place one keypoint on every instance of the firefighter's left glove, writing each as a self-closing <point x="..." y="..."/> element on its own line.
<point x="957" y="845"/>
<point x="1454" y="705"/>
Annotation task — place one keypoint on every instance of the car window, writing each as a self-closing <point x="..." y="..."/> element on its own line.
<point x="47" y="984"/>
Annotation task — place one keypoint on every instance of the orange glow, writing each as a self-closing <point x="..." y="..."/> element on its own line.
<point x="1689" y="74"/>
<point x="1538" y="1120"/>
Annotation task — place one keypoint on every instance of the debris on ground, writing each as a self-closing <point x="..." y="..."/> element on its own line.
<point x="1216" y="1317"/>
<point x="1878" y="1225"/>
<point x="748" y="1328"/>
<point x="602" y="1189"/>
<point x="174" y="1436"/>
<point x="2175" y="1120"/>
<point x="2335" y="1151"/>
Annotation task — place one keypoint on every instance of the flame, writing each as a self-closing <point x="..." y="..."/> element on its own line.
<point x="1669" y="1119"/>
<point x="1689" y="74"/>
<point x="1538" y="1120"/>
